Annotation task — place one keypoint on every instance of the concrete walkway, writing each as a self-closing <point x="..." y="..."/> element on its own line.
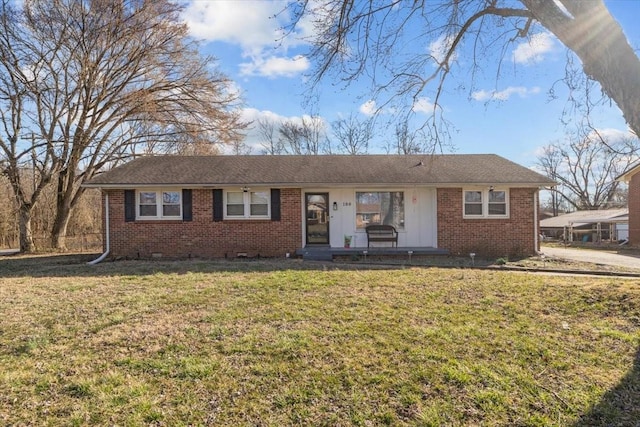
<point x="593" y="256"/>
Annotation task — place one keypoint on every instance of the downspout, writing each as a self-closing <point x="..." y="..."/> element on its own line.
<point x="536" y="231"/>
<point x="106" y="229"/>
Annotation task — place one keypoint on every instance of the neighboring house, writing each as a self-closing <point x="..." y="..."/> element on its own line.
<point x="221" y="206"/>
<point x="592" y="226"/>
<point x="632" y="178"/>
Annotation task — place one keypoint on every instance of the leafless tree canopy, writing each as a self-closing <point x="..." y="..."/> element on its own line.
<point x="407" y="141"/>
<point x="85" y="84"/>
<point x="586" y="167"/>
<point x="369" y="39"/>
<point x="268" y="134"/>
<point x="352" y="135"/>
<point x="296" y="136"/>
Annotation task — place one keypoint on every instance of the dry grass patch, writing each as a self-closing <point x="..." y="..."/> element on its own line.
<point x="197" y="343"/>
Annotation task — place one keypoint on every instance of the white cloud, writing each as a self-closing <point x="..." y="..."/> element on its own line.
<point x="535" y="49"/>
<point x="503" y="95"/>
<point x="252" y="26"/>
<point x="439" y="48"/>
<point x="423" y="105"/>
<point x="253" y="115"/>
<point x="612" y="135"/>
<point x="275" y="66"/>
<point x="368" y="108"/>
<point x="256" y="26"/>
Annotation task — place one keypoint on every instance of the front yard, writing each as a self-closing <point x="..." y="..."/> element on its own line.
<point x="289" y="343"/>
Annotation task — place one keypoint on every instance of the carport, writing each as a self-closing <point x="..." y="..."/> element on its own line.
<point x="594" y="226"/>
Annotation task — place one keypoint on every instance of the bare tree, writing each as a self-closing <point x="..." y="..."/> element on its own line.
<point x="240" y="148"/>
<point x="268" y="132"/>
<point x="315" y="135"/>
<point x="291" y="136"/>
<point x="550" y="161"/>
<point x="407" y="141"/>
<point x="84" y="85"/>
<point x="8" y="216"/>
<point x="367" y="38"/>
<point x="586" y="168"/>
<point x="352" y="135"/>
<point x="304" y="137"/>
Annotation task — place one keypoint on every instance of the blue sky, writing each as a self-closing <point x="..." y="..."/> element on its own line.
<point x="512" y="116"/>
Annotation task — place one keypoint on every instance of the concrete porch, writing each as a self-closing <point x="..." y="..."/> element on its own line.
<point x="326" y="253"/>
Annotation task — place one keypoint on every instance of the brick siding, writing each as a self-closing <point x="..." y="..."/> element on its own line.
<point x="202" y="237"/>
<point x="512" y="237"/>
<point x="634" y="210"/>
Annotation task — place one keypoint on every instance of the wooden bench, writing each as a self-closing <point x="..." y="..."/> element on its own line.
<point x="382" y="233"/>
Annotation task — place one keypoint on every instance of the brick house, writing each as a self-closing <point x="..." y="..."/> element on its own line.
<point x="632" y="178"/>
<point x="219" y="206"/>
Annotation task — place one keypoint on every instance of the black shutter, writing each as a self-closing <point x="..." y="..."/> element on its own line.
<point x="218" y="207"/>
<point x="275" y="204"/>
<point x="129" y="205"/>
<point x="187" y="210"/>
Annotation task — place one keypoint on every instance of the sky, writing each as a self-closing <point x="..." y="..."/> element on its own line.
<point x="512" y="116"/>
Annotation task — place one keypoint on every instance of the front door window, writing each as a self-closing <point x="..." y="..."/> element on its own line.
<point x="317" y="218"/>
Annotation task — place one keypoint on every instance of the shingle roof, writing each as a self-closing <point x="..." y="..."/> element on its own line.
<point x="481" y="169"/>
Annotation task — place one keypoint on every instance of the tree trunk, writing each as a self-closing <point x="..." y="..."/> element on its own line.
<point x="24" y="224"/>
<point x="59" y="231"/>
<point x="64" y="197"/>
<point x="61" y="222"/>
<point x="69" y="193"/>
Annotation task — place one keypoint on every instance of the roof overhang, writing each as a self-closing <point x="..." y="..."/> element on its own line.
<point x="629" y="173"/>
<point x="313" y="185"/>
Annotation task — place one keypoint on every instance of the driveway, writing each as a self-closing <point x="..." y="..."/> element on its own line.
<point x="593" y="256"/>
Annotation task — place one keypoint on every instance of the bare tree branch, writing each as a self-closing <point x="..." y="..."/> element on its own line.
<point x="96" y="82"/>
<point x="352" y="135"/>
<point x="368" y="39"/>
<point x="586" y="167"/>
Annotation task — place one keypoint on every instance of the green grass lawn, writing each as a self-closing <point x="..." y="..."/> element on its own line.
<point x="277" y="344"/>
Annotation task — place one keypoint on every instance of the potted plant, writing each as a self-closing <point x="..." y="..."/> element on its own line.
<point x="347" y="241"/>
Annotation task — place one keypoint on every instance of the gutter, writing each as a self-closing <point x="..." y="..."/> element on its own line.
<point x="107" y="246"/>
<point x="306" y="185"/>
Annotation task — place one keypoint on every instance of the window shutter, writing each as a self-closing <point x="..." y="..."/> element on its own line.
<point x="129" y="205"/>
<point x="218" y="207"/>
<point x="275" y="204"/>
<point x="187" y="206"/>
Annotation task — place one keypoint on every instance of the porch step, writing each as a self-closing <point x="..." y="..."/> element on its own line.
<point x="317" y="256"/>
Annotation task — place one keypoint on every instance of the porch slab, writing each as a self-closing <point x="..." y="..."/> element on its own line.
<point x="325" y="253"/>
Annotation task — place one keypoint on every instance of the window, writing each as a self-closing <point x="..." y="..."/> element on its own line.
<point x="485" y="203"/>
<point x="382" y="207"/>
<point x="235" y="204"/>
<point x="165" y="204"/>
<point x="259" y="203"/>
<point x="497" y="203"/>
<point x="473" y="203"/>
<point x="148" y="204"/>
<point x="249" y="204"/>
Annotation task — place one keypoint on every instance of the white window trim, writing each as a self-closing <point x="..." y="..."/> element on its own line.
<point x="159" y="204"/>
<point x="247" y="205"/>
<point x="485" y="203"/>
